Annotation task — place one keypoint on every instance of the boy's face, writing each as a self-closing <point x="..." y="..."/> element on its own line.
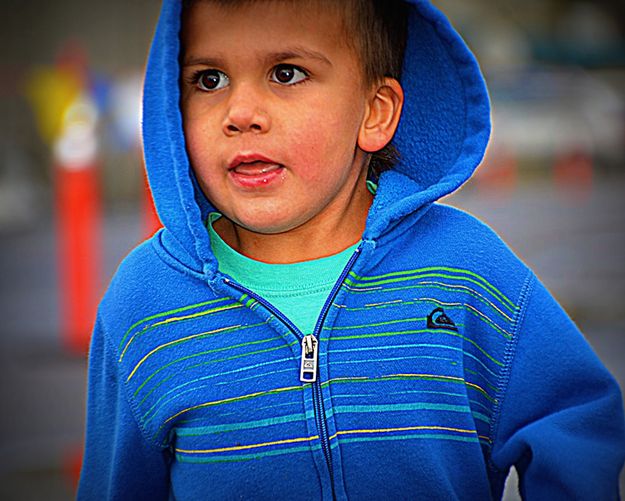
<point x="273" y="99"/>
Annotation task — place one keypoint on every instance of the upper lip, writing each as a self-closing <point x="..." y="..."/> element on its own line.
<point x="248" y="158"/>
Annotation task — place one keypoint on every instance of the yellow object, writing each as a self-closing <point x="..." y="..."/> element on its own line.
<point x="51" y="92"/>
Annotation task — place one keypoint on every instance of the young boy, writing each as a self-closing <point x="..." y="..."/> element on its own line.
<point x="305" y="327"/>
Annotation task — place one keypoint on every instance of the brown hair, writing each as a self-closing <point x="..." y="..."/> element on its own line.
<point x="377" y="31"/>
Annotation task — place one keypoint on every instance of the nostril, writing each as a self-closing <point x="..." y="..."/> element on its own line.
<point x="233" y="128"/>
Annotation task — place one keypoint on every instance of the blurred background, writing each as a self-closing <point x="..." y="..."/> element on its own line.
<point x="73" y="200"/>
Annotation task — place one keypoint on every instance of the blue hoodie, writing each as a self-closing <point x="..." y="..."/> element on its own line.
<point x="441" y="359"/>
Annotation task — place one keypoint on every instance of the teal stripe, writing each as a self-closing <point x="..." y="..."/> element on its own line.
<point x="417" y="345"/>
<point x="486" y="380"/>
<point x="238" y="414"/>
<point x="212" y="375"/>
<point x="177" y="393"/>
<point x="217" y="361"/>
<point x="416" y="331"/>
<point x="434" y="436"/>
<point x="259" y="423"/>
<point x="345" y="409"/>
<point x="261" y="375"/>
<point x="231" y="400"/>
<point x="481" y="417"/>
<point x="189" y="458"/>
<point x="208" y="352"/>
<point x="393" y="359"/>
<point x="411" y="377"/>
<point x="481" y="316"/>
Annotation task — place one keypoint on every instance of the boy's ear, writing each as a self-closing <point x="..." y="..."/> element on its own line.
<point x="382" y="115"/>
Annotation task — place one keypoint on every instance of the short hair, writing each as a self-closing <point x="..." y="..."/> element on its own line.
<point x="377" y="31"/>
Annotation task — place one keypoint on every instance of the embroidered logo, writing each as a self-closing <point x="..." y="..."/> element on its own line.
<point x="438" y="319"/>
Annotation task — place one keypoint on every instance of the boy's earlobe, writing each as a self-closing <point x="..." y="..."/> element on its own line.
<point x="382" y="117"/>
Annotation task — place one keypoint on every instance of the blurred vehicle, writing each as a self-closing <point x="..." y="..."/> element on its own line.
<point x="542" y="114"/>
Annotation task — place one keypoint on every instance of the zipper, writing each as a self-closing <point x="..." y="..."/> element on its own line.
<point x="309" y="365"/>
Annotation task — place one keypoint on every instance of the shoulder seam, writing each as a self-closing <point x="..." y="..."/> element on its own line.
<point x="130" y="402"/>
<point x="509" y="356"/>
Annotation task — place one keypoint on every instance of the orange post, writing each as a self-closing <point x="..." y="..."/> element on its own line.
<point x="151" y="221"/>
<point x="78" y="219"/>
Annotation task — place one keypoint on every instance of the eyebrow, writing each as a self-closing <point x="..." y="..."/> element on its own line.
<point x="289" y="53"/>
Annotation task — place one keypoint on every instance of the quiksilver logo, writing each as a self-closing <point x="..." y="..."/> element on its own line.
<point x="438" y="319"/>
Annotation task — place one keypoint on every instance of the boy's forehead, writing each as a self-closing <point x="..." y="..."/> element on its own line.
<point x="341" y="10"/>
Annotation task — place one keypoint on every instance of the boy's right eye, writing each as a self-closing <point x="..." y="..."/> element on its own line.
<point x="211" y="80"/>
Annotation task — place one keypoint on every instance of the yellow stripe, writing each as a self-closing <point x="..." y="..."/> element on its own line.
<point x="176" y="341"/>
<point x="252" y="446"/>
<point x="200" y="314"/>
<point x="176" y="319"/>
<point x="407" y="428"/>
<point x="316" y="437"/>
<point x="231" y="399"/>
<point x="452" y="378"/>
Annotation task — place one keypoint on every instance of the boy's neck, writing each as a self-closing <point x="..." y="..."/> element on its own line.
<point x="318" y="238"/>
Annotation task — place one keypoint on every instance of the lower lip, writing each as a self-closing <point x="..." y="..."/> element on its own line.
<point x="257" y="180"/>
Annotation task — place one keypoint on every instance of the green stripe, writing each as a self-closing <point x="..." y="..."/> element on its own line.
<point x="176" y="390"/>
<point x="440" y="379"/>
<point x="172" y="320"/>
<point x="169" y="312"/>
<point x="211" y="362"/>
<point x="481" y="316"/>
<point x="494" y="293"/>
<point x="208" y="352"/>
<point x="377" y="324"/>
<point x="417" y="331"/>
<point x="242" y="398"/>
<point x="476" y="373"/>
<point x="210" y="376"/>
<point x="467" y="290"/>
<point x="482" y="281"/>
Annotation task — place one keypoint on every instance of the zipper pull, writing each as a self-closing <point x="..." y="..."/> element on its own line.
<point x="308" y="370"/>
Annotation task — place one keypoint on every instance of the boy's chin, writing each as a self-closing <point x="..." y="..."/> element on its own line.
<point x="256" y="226"/>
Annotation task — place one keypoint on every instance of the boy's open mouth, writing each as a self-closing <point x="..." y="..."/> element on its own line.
<point x="254" y="170"/>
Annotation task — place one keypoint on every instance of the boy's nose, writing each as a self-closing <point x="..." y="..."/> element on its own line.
<point x="245" y="114"/>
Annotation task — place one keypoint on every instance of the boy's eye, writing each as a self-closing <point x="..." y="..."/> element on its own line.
<point x="288" y="74"/>
<point x="212" y="80"/>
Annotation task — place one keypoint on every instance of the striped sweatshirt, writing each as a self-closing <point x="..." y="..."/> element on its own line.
<point x="438" y="362"/>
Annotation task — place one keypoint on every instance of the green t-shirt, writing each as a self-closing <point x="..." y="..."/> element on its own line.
<point x="298" y="290"/>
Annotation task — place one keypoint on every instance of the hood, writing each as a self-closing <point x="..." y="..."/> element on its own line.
<point x="442" y="135"/>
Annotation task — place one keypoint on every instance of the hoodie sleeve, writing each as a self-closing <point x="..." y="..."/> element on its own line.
<point x="118" y="462"/>
<point x="561" y="417"/>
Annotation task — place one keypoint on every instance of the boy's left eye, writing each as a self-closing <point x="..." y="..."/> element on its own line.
<point x="287" y="74"/>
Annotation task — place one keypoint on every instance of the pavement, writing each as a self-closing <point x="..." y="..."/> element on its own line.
<point x="574" y="238"/>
